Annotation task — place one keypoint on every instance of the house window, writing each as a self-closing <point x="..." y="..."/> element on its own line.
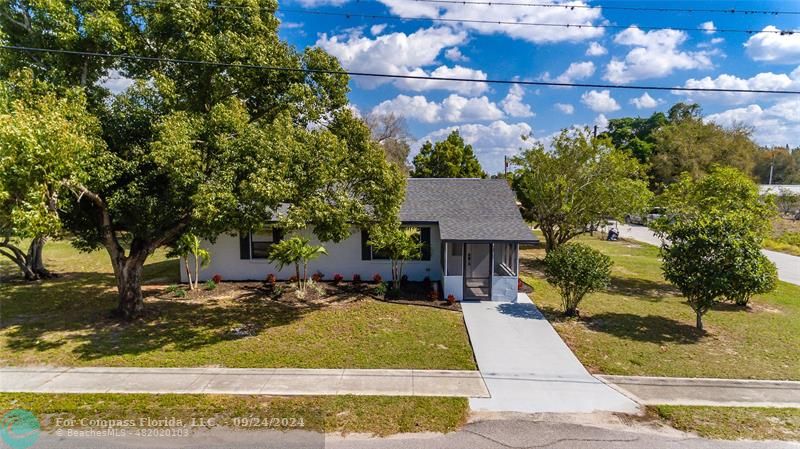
<point x="258" y="244"/>
<point x="261" y="244"/>
<point x="505" y="259"/>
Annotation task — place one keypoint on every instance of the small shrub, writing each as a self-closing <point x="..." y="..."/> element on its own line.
<point x="277" y="292"/>
<point x="404" y="279"/>
<point x="393" y="293"/>
<point x="210" y="284"/>
<point x="271" y="280"/>
<point x="173" y="288"/>
<point x="316" y="277"/>
<point x="576" y="270"/>
<point x="381" y="289"/>
<point x="433" y="295"/>
<point x="180" y="293"/>
<point x="293" y="279"/>
<point x="356" y="279"/>
<point x="377" y="278"/>
<point x="217" y="278"/>
<point x="451" y="299"/>
<point x="337" y="278"/>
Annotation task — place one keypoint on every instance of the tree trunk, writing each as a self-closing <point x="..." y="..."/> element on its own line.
<point x="30" y="264"/>
<point x="699" y="321"/>
<point x="131" y="301"/>
<point x="35" y="258"/>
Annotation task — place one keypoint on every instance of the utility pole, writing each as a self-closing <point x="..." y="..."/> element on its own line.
<point x="595" y="131"/>
<point x="505" y="165"/>
<point x="771" y="168"/>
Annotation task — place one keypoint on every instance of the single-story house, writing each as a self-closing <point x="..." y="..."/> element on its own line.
<point x="470" y="231"/>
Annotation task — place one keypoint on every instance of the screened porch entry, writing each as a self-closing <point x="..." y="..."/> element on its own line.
<point x="480" y="271"/>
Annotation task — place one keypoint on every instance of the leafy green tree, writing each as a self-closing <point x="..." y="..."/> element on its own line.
<point x="783" y="164"/>
<point x="186" y="246"/>
<point x="578" y="183"/>
<point x="577" y="270"/>
<point x="689" y="145"/>
<point x="298" y="252"/>
<point x="449" y="158"/>
<point x="787" y="201"/>
<point x="712" y="238"/>
<point x="210" y="147"/>
<point x="44" y="137"/>
<point x="636" y="134"/>
<point x="400" y="244"/>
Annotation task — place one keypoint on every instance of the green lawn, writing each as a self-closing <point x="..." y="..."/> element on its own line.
<point x="641" y="325"/>
<point x="733" y="423"/>
<point x="66" y="322"/>
<point x="380" y="415"/>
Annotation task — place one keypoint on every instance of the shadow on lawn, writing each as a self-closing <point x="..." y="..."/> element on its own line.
<point x="76" y="307"/>
<point x="641" y="288"/>
<point x="650" y="328"/>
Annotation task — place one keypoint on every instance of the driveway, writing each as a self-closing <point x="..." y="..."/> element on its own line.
<point x="788" y="265"/>
<point x="526" y="365"/>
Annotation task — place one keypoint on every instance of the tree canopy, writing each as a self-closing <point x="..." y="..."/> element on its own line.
<point x="580" y="181"/>
<point x="391" y="131"/>
<point x="449" y="158"/>
<point x="44" y="137"/>
<point x="208" y="147"/>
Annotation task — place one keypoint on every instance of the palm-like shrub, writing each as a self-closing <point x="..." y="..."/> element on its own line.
<point x="189" y="245"/>
<point x="296" y="251"/>
<point x="400" y="244"/>
<point x="576" y="270"/>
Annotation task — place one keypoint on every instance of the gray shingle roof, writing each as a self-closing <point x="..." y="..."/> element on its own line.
<point x="466" y="209"/>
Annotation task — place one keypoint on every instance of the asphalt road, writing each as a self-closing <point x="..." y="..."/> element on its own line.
<point x="508" y="433"/>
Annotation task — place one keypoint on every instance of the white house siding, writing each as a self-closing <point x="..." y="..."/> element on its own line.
<point x="343" y="258"/>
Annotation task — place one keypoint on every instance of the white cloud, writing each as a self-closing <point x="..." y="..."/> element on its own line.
<point x="513" y="105"/>
<point x="645" y="102"/>
<point x="403" y="54"/>
<point x="600" y="101"/>
<point x="490" y="141"/>
<point x="774" y="47"/>
<point x="708" y="27"/>
<point x="312" y="3"/>
<point x="510" y="13"/>
<point x="116" y="82"/>
<point x="566" y="108"/>
<point x="455" y="55"/>
<point x="595" y="49"/>
<point x="377" y="29"/>
<point x="655" y="54"/>
<point x="457" y="71"/>
<point x="453" y="108"/>
<point x="775" y="125"/>
<point x="601" y="122"/>
<point x="761" y="81"/>
<point x="576" y="71"/>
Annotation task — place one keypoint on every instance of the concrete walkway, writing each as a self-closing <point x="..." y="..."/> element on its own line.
<point x="714" y="392"/>
<point x="268" y="381"/>
<point x="528" y="368"/>
<point x="788" y="265"/>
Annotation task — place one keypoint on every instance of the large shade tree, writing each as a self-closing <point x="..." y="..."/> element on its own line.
<point x="213" y="147"/>
<point x="578" y="182"/>
<point x="43" y="138"/>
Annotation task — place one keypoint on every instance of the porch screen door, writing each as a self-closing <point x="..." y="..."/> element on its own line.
<point x="477" y="271"/>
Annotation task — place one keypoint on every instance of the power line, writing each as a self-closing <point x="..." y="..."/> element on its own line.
<point x="620" y="8"/>
<point x="581" y="26"/>
<point x="350" y="14"/>
<point x="386" y="75"/>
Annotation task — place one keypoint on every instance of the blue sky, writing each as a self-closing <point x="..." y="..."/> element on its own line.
<point x="493" y="117"/>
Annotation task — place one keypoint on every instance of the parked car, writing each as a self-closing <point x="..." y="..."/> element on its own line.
<point x="642" y="219"/>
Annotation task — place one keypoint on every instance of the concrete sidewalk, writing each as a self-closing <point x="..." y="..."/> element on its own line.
<point x="267" y="381"/>
<point x="528" y="368"/>
<point x="713" y="392"/>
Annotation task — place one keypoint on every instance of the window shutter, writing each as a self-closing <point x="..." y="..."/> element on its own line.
<point x="366" y="251"/>
<point x="277" y="235"/>
<point x="244" y="245"/>
<point x="425" y="238"/>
